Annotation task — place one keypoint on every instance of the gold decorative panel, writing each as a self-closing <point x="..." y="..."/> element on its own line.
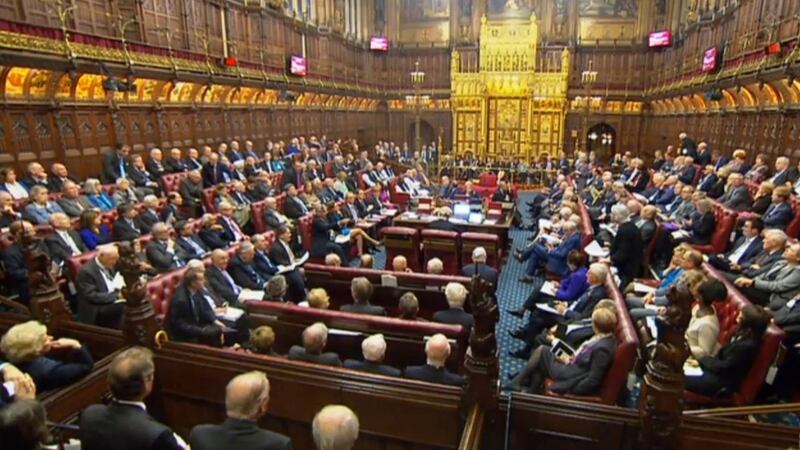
<point x="507" y="109"/>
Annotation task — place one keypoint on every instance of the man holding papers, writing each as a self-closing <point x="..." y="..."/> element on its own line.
<point x="284" y="255"/>
<point x="569" y="289"/>
<point x="549" y="254"/>
<point x="744" y="250"/>
<point x="190" y="317"/>
<point x="554" y="313"/>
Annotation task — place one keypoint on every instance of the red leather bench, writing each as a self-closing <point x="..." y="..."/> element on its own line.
<point x="161" y="290"/>
<point x="490" y="242"/>
<point x="171" y="181"/>
<point x="793" y="229"/>
<point x="209" y="200"/>
<point x="443" y="245"/>
<point x="587" y="231"/>
<point x="401" y="199"/>
<point x="405" y="338"/>
<point x="304" y="228"/>
<point x="726" y="221"/>
<point x="754" y="380"/>
<point x="624" y="357"/>
<point x="402" y="241"/>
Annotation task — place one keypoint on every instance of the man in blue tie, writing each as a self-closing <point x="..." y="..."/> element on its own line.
<point x="243" y="269"/>
<point x="190" y="317"/>
<point x="189" y="245"/>
<point x="220" y="281"/>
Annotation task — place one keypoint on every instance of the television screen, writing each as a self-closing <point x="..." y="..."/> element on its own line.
<point x="298" y="66"/>
<point x="774" y="48"/>
<point x="659" y="39"/>
<point x="710" y="60"/>
<point x="379" y="43"/>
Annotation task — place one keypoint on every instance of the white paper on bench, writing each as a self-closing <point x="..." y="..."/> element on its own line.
<point x="595" y="250"/>
<point x="341" y="332"/>
<point x="642" y="288"/>
<point x="388" y="280"/>
<point x="248" y="294"/>
<point x="692" y="371"/>
<point x="231" y="314"/>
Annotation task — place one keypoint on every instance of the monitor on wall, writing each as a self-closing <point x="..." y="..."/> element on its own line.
<point x="659" y="39"/>
<point x="379" y="43"/>
<point x="297" y="66"/>
<point x="710" y="59"/>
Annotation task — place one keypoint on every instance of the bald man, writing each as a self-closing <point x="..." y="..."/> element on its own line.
<point x="437" y="350"/>
<point x="335" y="427"/>
<point x="246" y="401"/>
<point x="100" y="286"/>
<point x="315" y="337"/>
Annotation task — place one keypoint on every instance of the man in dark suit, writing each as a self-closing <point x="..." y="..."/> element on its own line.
<point x="627" y="248"/>
<point x="162" y="252"/>
<point x="456" y="295"/>
<point x="189" y="245"/>
<point x="115" y="165"/>
<point x="551" y="255"/>
<point x="191" y="190"/>
<point x="687" y="173"/>
<point x="744" y="250"/>
<point x="71" y="200"/>
<point x="374" y="349"/>
<point x="350" y="209"/>
<point x="220" y="281"/>
<point x="293" y="206"/>
<point x="155" y="165"/>
<point x="192" y="161"/>
<point x="174" y="162"/>
<point x="737" y="197"/>
<point x="273" y="219"/>
<point x="442" y="221"/>
<point x="64" y="242"/>
<point x="687" y="146"/>
<point x="144" y="182"/>
<point x="214" y="172"/>
<point x="708" y="180"/>
<point x="293" y="175"/>
<point x="283" y="253"/>
<point x="563" y="312"/>
<point x="125" y="227"/>
<point x="242" y="268"/>
<point x="191" y="318"/>
<point x="437" y="350"/>
<point x="779" y="213"/>
<point x="13" y="260"/>
<point x="703" y="154"/>
<point x="149" y="214"/>
<point x="315" y="337"/>
<point x="479" y="267"/>
<point x="60" y="175"/>
<point x="503" y="194"/>
<point x="124" y="423"/>
<point x="246" y="401"/>
<point x="100" y="289"/>
<point x="361" y="290"/>
<point x="783" y="172"/>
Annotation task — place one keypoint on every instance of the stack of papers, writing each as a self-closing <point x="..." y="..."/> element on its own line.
<point x="390" y="212"/>
<point x="642" y="288"/>
<point x="490" y="221"/>
<point x="291" y="267"/>
<point x="388" y="280"/>
<point x="250" y="295"/>
<point x="549" y="288"/>
<point x="545" y="224"/>
<point x="231" y="314"/>
<point x="609" y="228"/>
<point x="595" y="250"/>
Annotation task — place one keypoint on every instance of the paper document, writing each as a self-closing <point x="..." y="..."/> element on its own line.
<point x="549" y="288"/>
<point x="250" y="295"/>
<point x="545" y="224"/>
<point x="490" y="222"/>
<point x="651" y="326"/>
<point x="680" y="234"/>
<point x="231" y="314"/>
<point x="692" y="371"/>
<point x="390" y="212"/>
<point x="652" y="307"/>
<point x="550" y="239"/>
<point x="595" y="250"/>
<point x="388" y="280"/>
<point x="342" y="239"/>
<point x="642" y="288"/>
<point x="576" y="326"/>
<point x="548" y="308"/>
<point x="609" y="228"/>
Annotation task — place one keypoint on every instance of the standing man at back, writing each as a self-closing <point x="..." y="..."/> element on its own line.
<point x="124" y="424"/>
<point x="246" y="401"/>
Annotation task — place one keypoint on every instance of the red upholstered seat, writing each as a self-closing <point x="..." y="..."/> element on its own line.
<point x="793" y="229"/>
<point x="329" y="170"/>
<point x="490" y="242"/>
<point x="651" y="248"/>
<point x="443" y="245"/>
<point x="171" y="181"/>
<point x="257" y="215"/>
<point x="360" y="181"/>
<point x="279" y="201"/>
<point x="624" y="357"/>
<point x="698" y="173"/>
<point x="209" y="197"/>
<point x="108" y="218"/>
<point x="402" y="241"/>
<point x="587" y="231"/>
<point x="161" y="289"/>
<point x="487" y="180"/>
<point x="75" y="263"/>
<point x="401" y="199"/>
<point x="726" y="221"/>
<point x="754" y="380"/>
<point x="304" y="228"/>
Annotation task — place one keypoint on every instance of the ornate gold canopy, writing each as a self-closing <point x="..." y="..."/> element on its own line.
<point x="511" y="106"/>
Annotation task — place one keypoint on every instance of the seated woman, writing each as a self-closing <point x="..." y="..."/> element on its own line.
<point x="309" y="195"/>
<point x="760" y="170"/>
<point x="51" y="363"/>
<point x="718" y="189"/>
<point x="703" y="331"/>
<point x="342" y="183"/>
<point x="723" y="373"/>
<point x="701" y="224"/>
<point x="690" y="278"/>
<point x="9" y="183"/>
<point x="92" y="230"/>
<point x="568" y="289"/>
<point x="262" y="340"/>
<point x="99" y="198"/>
<point x="579" y="374"/>
<point x="326" y="229"/>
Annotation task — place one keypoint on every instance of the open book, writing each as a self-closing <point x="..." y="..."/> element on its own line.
<point x="231" y="314"/>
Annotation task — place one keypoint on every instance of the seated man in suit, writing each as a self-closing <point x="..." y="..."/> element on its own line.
<point x="361" y="289"/>
<point x="335" y="427"/>
<point x="374" y="349"/>
<point x="190" y="317"/>
<point x="220" y="281"/>
<point x="503" y="193"/>
<point x="437" y="350"/>
<point x="708" y="180"/>
<point x="563" y="312"/>
<point x="64" y="242"/>
<point x="149" y="214"/>
<point x="579" y="374"/>
<point x="246" y="401"/>
<point x="682" y="207"/>
<point x="688" y="171"/>
<point x="283" y="253"/>
<point x="99" y="285"/>
<point x="778" y="285"/>
<point x="737" y="196"/>
<point x="315" y="337"/>
<point x="191" y="190"/>
<point x="456" y="295"/>
<point x="744" y="250"/>
<point x="124" y="422"/>
<point x="231" y="231"/>
<point x="173" y="211"/>
<point x="273" y="219"/>
<point x="479" y="267"/>
<point x="293" y="205"/>
<point x="549" y="254"/>
<point x="71" y="201"/>
<point x="779" y="213"/>
<point x="773" y="246"/>
<point x="243" y="268"/>
<point x="162" y="252"/>
<point x="125" y="227"/>
<point x="174" y="162"/>
<point x="190" y="246"/>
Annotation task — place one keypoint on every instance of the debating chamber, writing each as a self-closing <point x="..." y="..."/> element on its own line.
<point x="399" y="224"/>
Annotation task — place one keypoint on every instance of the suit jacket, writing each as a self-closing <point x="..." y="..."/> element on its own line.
<point x="586" y="373"/>
<point x="484" y="271"/>
<point x="372" y="367"/>
<point x="454" y="316"/>
<point x="292" y="208"/>
<point x="703" y="228"/>
<point x="627" y="250"/>
<point x="272" y="220"/>
<point x="687" y="174"/>
<point x="782" y="281"/>
<point x="173" y="165"/>
<point x="215" y="174"/>
<point x="279" y="254"/>
<point x="583" y="307"/>
<point x="707" y="182"/>
<point x="640" y="181"/>
<point x="40" y="215"/>
<point x="290" y="176"/>
<point x="245" y="274"/>
<point x="187" y="251"/>
<point x="160" y="258"/>
<point x="761" y="204"/>
<point x="155" y="168"/>
<point x="221" y="287"/>
<point x="192" y="164"/>
<point x="124" y="231"/>
<point x="557" y="258"/>
<point x="373" y="310"/>
<point x="648" y="230"/>
<point x="788" y="314"/>
<point x="783" y="177"/>
<point x="16" y="271"/>
<point x="732" y="362"/>
<point x="778" y="216"/>
<point x="190" y="320"/>
<point x="93" y="293"/>
<point x="74" y="207"/>
<point x="264" y="265"/>
<point x="298" y="353"/>
<point x="191" y="192"/>
<point x="146" y="219"/>
<point x="59" y="249"/>
<point x="502" y="196"/>
<point x="237" y="434"/>
<point x="55" y="184"/>
<point x="140" y="177"/>
<point x="703" y="157"/>
<point x="49" y="373"/>
<point x="111" y="167"/>
<point x="764" y="260"/>
<point x="737" y="199"/>
<point x="123" y="427"/>
<point x="433" y="374"/>
<point x="750" y="253"/>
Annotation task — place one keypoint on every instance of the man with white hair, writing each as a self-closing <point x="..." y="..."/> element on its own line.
<point x="333" y="260"/>
<point x="64" y="242"/>
<point x="174" y="162"/>
<point x="148" y="216"/>
<point x="687" y="146"/>
<point x="456" y="295"/>
<point x="60" y="176"/>
<point x="99" y="287"/>
<point x="627" y="248"/>
<point x="479" y="267"/>
<point x="315" y="337"/>
<point x="335" y="427"/>
<point x="155" y="165"/>
<point x="246" y="401"/>
<point x="548" y="253"/>
<point x="783" y="173"/>
<point x="361" y="290"/>
<point x="162" y="252"/>
<point x="374" y="350"/>
<point x="400" y="264"/>
<point x="437" y="350"/>
<point x="435" y="266"/>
